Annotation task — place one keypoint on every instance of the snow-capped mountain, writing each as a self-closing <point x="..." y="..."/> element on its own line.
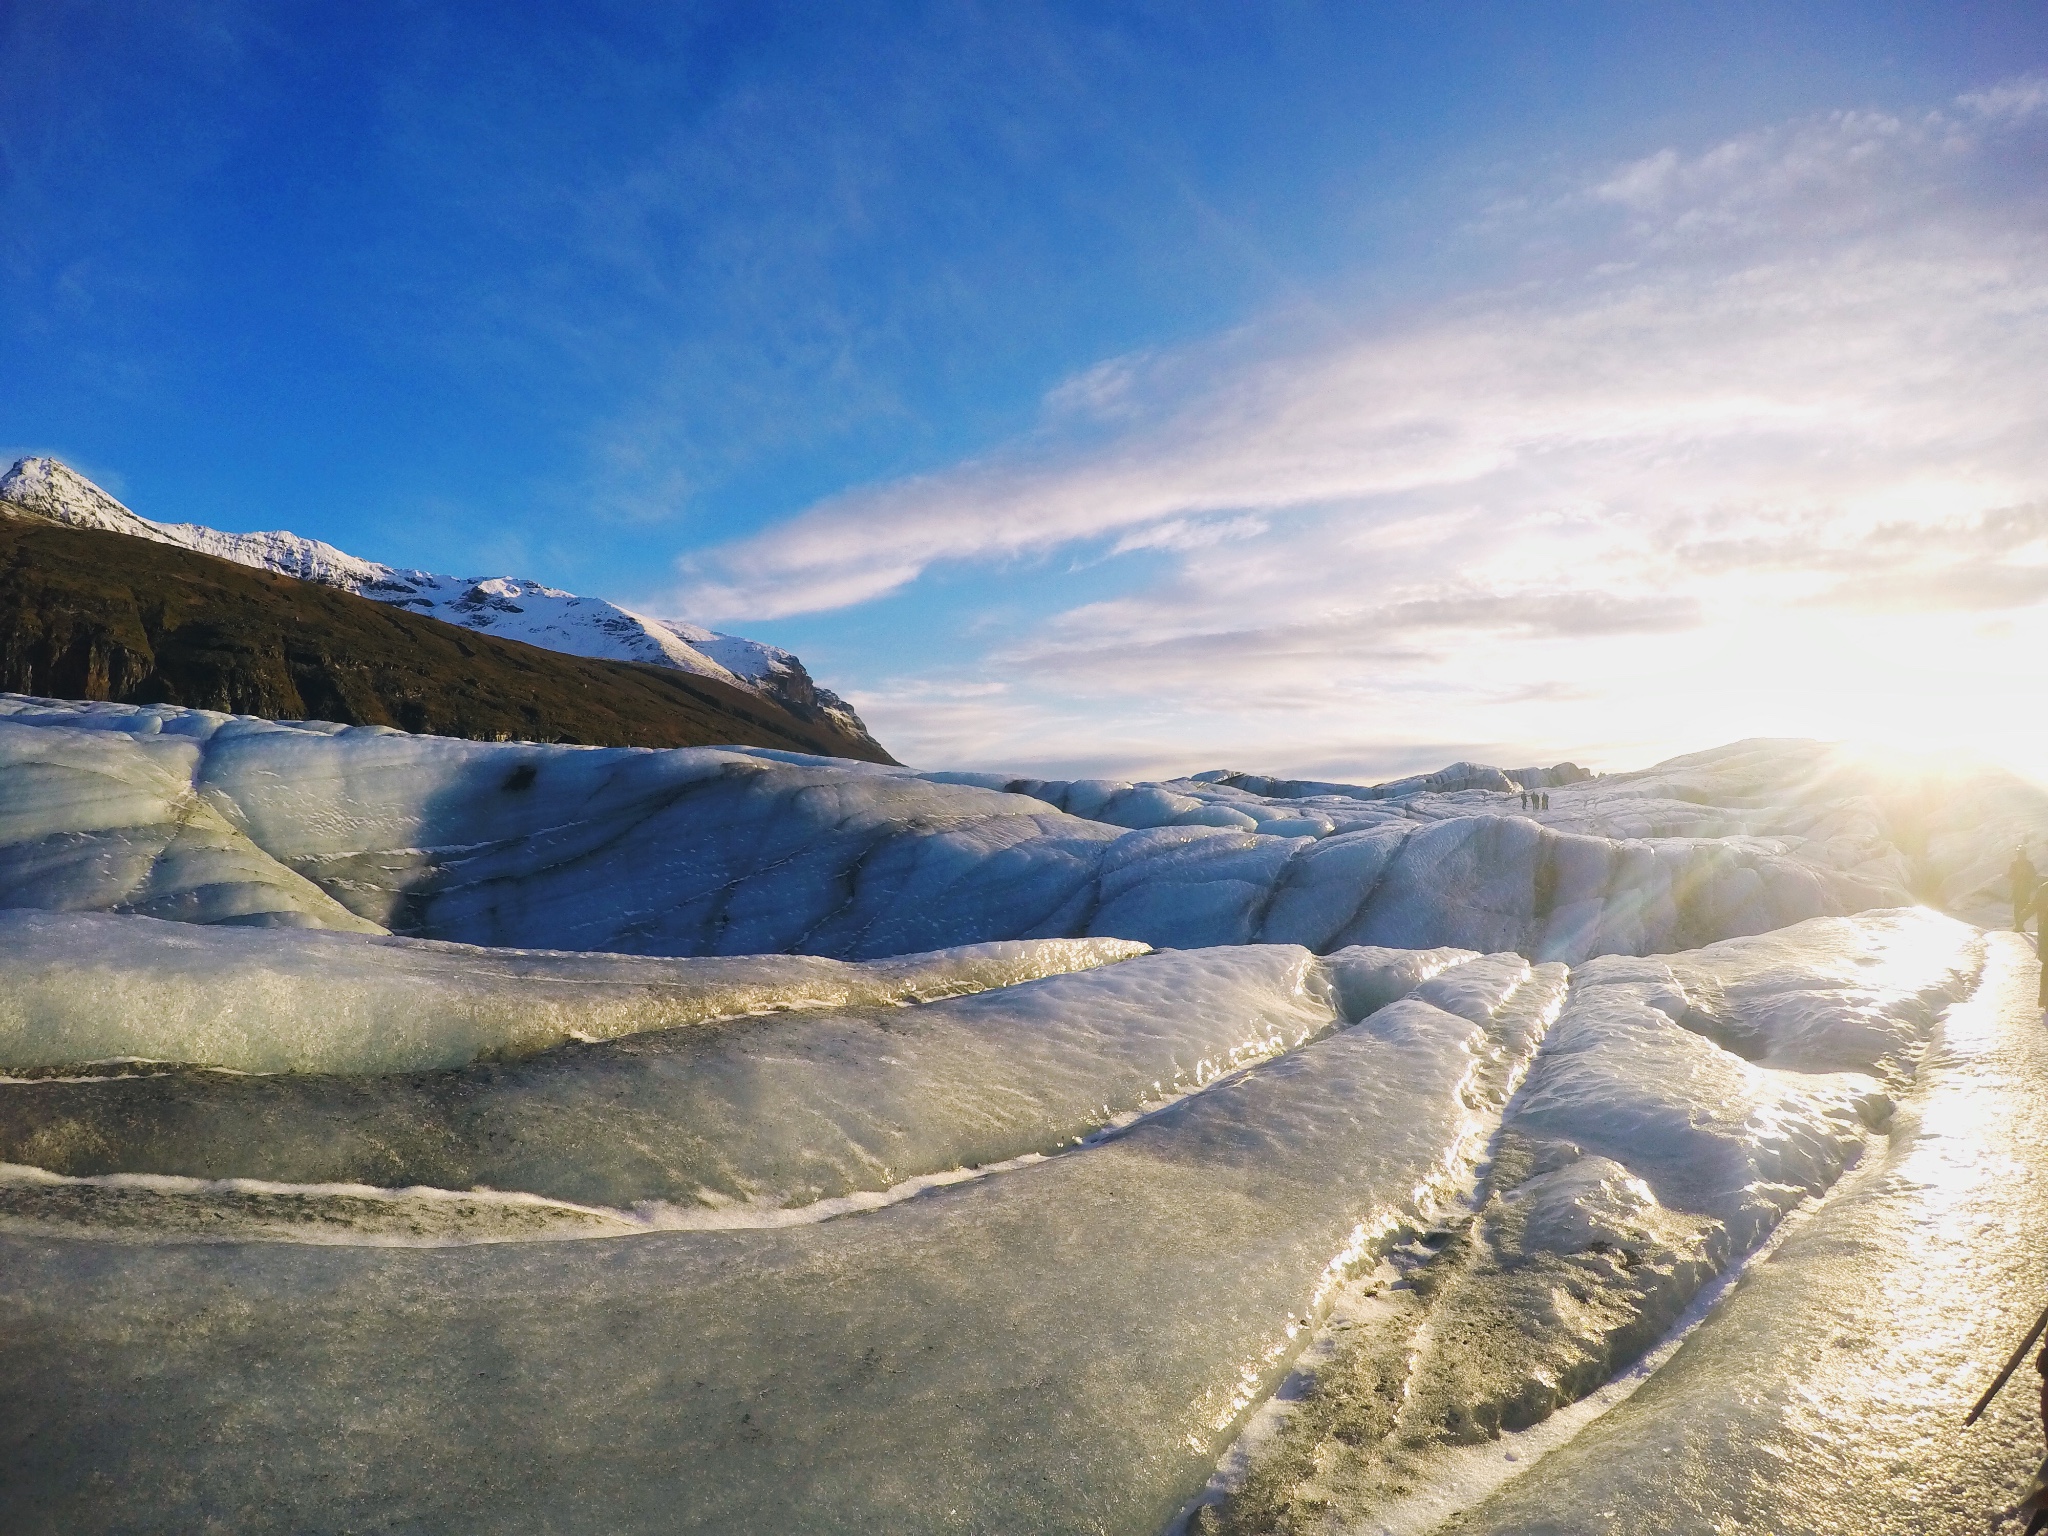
<point x="506" y="606"/>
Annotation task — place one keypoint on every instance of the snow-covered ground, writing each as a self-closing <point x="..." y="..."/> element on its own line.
<point x="506" y="606"/>
<point x="410" y="1133"/>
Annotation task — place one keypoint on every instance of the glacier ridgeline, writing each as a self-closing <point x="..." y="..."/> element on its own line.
<point x="894" y="1268"/>
<point x="198" y="817"/>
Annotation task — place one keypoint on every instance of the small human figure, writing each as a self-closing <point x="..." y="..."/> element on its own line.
<point x="2024" y="881"/>
<point x="1525" y="799"/>
<point x="1546" y="799"/>
<point x="2035" y="1502"/>
<point x="2039" y="912"/>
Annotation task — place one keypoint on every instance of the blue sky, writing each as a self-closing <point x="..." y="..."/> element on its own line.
<point x="1101" y="388"/>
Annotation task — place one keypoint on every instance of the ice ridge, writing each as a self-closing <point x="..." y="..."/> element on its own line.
<point x="701" y="851"/>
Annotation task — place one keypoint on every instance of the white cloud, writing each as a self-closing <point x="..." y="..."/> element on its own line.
<point x="1185" y="533"/>
<point x="1807" y="375"/>
<point x="2010" y="100"/>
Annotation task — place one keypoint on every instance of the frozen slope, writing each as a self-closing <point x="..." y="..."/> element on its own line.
<point x="728" y="851"/>
<point x="108" y="821"/>
<point x="1061" y="1345"/>
<point x="508" y="607"/>
<point x="767" y="1114"/>
<point x="1828" y="1392"/>
<point x="1024" y="1331"/>
<point x="78" y="988"/>
<point x="1639" y="1160"/>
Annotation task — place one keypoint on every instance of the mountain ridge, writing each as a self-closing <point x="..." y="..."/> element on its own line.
<point x="508" y="607"/>
<point x="91" y="614"/>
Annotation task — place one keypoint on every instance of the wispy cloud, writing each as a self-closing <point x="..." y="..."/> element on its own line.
<point x="1802" y="369"/>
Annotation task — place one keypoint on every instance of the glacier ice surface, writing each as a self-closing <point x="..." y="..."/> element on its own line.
<point x="730" y="851"/>
<point x="882" y="1198"/>
<point x="1639" y="1159"/>
<point x="1064" y="1345"/>
<point x="762" y="1115"/>
<point x="78" y="988"/>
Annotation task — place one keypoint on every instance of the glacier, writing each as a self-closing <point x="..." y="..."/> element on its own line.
<point x="216" y="818"/>
<point x="84" y="987"/>
<point x="416" y="1134"/>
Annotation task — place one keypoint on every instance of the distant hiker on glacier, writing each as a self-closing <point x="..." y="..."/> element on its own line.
<point x="2037" y="908"/>
<point x="2024" y="882"/>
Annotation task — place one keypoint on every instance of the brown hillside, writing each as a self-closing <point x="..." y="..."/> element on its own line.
<point x="91" y="615"/>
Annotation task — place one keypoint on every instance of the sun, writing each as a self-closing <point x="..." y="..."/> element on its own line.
<point x="1930" y="688"/>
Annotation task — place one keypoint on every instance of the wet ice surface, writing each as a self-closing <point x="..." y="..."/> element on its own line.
<point x="84" y="987"/>
<point x="1063" y="1346"/>
<point x="777" y="1111"/>
<point x="1640" y="1159"/>
<point x="1014" y="1231"/>
<point x="1828" y="1392"/>
<point x="1846" y="995"/>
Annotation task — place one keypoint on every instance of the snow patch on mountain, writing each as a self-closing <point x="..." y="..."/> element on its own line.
<point x="505" y="606"/>
<point x="61" y="494"/>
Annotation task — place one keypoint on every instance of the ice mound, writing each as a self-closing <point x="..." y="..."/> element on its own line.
<point x="700" y="851"/>
<point x="1587" y="1204"/>
<point x="1708" y="1131"/>
<point x="1942" y="829"/>
<point x="103" y="820"/>
<point x="78" y="988"/>
<point x="1834" y="994"/>
<point x="748" y="1117"/>
<point x="1837" y="994"/>
<point x="707" y="851"/>
<point x="1064" y="1344"/>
